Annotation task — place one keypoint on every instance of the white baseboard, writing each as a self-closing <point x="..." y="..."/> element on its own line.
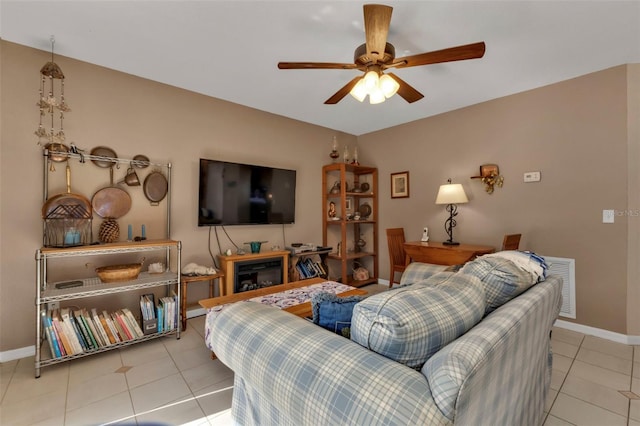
<point x="17" y="353"/>
<point x="597" y="332"/>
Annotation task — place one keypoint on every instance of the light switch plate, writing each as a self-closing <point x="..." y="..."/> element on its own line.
<point x="608" y="216"/>
<point x="532" y="176"/>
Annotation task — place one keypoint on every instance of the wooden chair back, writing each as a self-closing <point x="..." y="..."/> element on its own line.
<point x="511" y="242"/>
<point x="397" y="256"/>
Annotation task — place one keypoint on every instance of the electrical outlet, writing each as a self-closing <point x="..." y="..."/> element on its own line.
<point x="532" y="176"/>
<point x="53" y="305"/>
<point x="608" y="216"/>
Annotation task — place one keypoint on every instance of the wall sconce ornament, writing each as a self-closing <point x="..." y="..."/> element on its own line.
<point x="490" y="176"/>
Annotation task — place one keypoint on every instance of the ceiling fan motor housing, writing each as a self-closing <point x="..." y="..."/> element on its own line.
<point x="360" y="56"/>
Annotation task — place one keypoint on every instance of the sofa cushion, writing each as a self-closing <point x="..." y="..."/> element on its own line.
<point x="333" y="312"/>
<point x="410" y="324"/>
<point x="502" y="279"/>
<point x="417" y="271"/>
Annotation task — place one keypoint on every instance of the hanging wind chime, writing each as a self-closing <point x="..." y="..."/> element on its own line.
<point x="50" y="107"/>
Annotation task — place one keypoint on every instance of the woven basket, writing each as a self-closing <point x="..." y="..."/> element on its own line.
<point x="118" y="273"/>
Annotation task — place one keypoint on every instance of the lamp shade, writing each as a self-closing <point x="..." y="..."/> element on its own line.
<point x="451" y="193"/>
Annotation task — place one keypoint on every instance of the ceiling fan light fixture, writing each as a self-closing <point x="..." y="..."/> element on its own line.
<point x="371" y="80"/>
<point x="388" y="85"/>
<point x="359" y="91"/>
<point x="376" y="96"/>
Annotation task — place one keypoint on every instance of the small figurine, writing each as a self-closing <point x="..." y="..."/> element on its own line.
<point x="332" y="210"/>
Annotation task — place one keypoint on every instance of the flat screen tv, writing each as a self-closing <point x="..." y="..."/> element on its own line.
<point x="245" y="194"/>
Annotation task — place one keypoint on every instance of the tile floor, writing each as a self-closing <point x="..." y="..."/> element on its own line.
<point x="175" y="382"/>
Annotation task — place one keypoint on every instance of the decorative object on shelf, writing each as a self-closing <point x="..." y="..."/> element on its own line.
<point x="360" y="273"/>
<point x="355" y="157"/>
<point x="348" y="204"/>
<point x="335" y="189"/>
<point x="332" y="210"/>
<point x="490" y="176"/>
<point x="131" y="178"/>
<point x="364" y="187"/>
<point x="451" y="194"/>
<point x="140" y="161"/>
<point x="155" y="187"/>
<point x="334" y="150"/>
<point x="360" y="244"/>
<point x="400" y="185"/>
<point x="365" y="210"/>
<point x="109" y="231"/>
<point x="111" y="201"/>
<point x="345" y="155"/>
<point x="119" y="273"/>
<point x="255" y="246"/>
<point x="52" y="139"/>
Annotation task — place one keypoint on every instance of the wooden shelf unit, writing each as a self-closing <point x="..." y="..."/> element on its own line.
<point x="349" y="231"/>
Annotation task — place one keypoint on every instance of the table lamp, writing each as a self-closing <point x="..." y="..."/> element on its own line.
<point x="451" y="194"/>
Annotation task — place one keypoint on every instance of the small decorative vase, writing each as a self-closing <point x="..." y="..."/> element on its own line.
<point x="334" y="150"/>
<point x="345" y="156"/>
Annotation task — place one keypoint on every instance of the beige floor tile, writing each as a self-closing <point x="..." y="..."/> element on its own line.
<point x="604" y="360"/>
<point x="156" y="394"/>
<point x="608" y="347"/>
<point x="24" y="385"/>
<point x="151" y="371"/>
<point x="94" y="390"/>
<point x="215" y="402"/>
<point x="565" y="349"/>
<point x="113" y="408"/>
<point x="596" y="394"/>
<point x="562" y="363"/>
<point x="636" y="353"/>
<point x="43" y="408"/>
<point x="551" y="396"/>
<point x="221" y="418"/>
<point x="197" y="324"/>
<point x="88" y="368"/>
<point x="602" y="376"/>
<point x="557" y="378"/>
<point x="636" y="370"/>
<point x="192" y="357"/>
<point x="144" y="352"/>
<point x="581" y="413"/>
<point x="568" y="336"/>
<point x="187" y="341"/>
<point x="206" y="374"/>
<point x="633" y="423"/>
<point x="635" y="385"/>
<point x="554" y="421"/>
<point x="634" y="409"/>
<point x="182" y="412"/>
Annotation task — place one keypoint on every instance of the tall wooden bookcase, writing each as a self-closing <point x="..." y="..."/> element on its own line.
<point x="357" y="192"/>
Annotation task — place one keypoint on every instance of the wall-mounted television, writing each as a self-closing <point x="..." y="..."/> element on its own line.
<point x="245" y="194"/>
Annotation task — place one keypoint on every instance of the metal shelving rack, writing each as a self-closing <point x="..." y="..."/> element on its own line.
<point x="46" y="293"/>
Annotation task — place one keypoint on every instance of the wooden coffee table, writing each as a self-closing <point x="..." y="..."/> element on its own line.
<point x="301" y="310"/>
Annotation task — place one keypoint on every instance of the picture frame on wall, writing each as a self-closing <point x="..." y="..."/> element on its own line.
<point x="349" y="204"/>
<point x="400" y="185"/>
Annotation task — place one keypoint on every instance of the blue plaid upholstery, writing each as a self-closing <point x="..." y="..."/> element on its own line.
<point x="412" y="323"/>
<point x="289" y="371"/>
<point x="417" y="271"/>
<point x="502" y="279"/>
<point x="508" y="352"/>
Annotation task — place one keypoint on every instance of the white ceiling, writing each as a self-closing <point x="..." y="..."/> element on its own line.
<point x="230" y="49"/>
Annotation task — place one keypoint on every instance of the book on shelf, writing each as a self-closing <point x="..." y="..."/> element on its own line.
<point x="50" y="335"/>
<point x="112" y="327"/>
<point x="88" y="319"/>
<point x="133" y="322"/>
<point x="70" y="331"/>
<point x="117" y="322"/>
<point x="62" y="333"/>
<point x="107" y="328"/>
<point x="100" y="327"/>
<point x="147" y="306"/>
<point x="88" y="338"/>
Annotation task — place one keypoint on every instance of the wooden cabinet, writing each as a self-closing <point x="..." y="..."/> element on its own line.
<point x="254" y="267"/>
<point x="350" y="220"/>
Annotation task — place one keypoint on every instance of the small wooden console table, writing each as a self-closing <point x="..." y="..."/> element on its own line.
<point x="186" y="279"/>
<point x="441" y="254"/>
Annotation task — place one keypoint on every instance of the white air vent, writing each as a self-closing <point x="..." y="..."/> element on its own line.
<point x="566" y="268"/>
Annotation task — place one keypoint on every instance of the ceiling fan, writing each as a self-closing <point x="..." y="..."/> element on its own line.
<point x="377" y="55"/>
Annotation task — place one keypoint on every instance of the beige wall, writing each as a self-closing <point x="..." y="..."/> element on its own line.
<point x="137" y="116"/>
<point x="576" y="133"/>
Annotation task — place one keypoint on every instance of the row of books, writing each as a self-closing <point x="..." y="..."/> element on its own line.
<point x="73" y="331"/>
<point x="165" y="313"/>
<point x="308" y="268"/>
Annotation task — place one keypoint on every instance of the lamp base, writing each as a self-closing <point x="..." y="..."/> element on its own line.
<point x="450" y="243"/>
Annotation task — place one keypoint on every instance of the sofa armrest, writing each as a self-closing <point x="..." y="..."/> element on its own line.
<point x="309" y="375"/>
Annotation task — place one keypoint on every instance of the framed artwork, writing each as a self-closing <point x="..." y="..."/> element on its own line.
<point x="400" y="185"/>
<point x="349" y="204"/>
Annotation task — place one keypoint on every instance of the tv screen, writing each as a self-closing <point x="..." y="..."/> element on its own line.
<point x="245" y="194"/>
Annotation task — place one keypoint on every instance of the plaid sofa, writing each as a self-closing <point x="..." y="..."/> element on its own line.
<point x="290" y="372"/>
